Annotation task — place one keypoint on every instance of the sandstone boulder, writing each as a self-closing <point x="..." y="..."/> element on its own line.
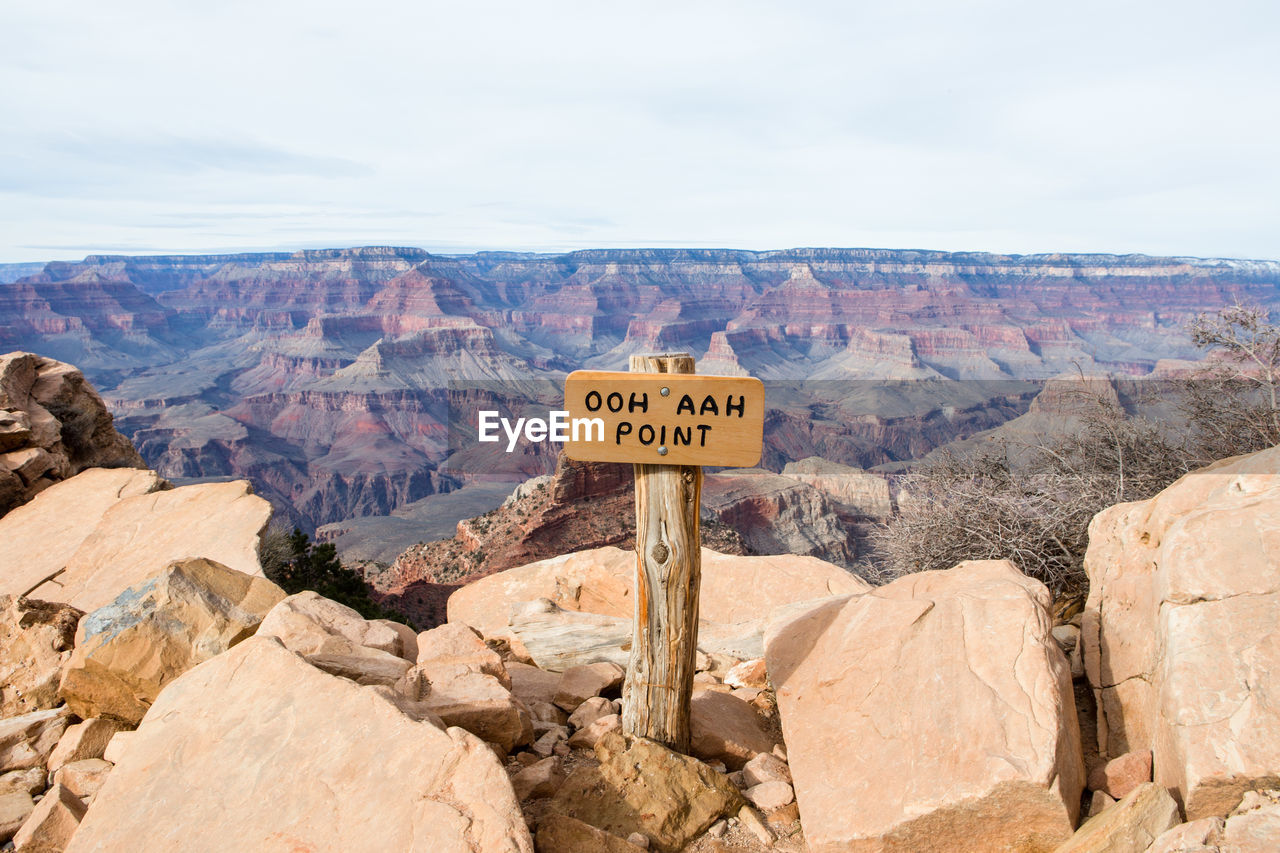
<point x="589" y="736"/>
<point x="35" y="641"/>
<point x="15" y="808"/>
<point x="1255" y="826"/>
<point x="138" y="536"/>
<point x="127" y="651"/>
<point x="453" y="645"/>
<point x="1133" y="823"/>
<point x="749" y="673"/>
<point x="408" y="647"/>
<point x="769" y="796"/>
<point x="561" y="834"/>
<point x="766" y="767"/>
<point x="28" y="739"/>
<point x="1180" y="633"/>
<point x="87" y="739"/>
<point x="580" y="683"/>
<point x="474" y="701"/>
<point x="42" y="535"/>
<point x="932" y="713"/>
<point x="734" y="589"/>
<point x="302" y="761"/>
<point x="532" y="685"/>
<point x="52" y="822"/>
<point x="52" y="426"/>
<point x="336" y="638"/>
<point x="1198" y="836"/>
<point x="31" y="780"/>
<point x="539" y="780"/>
<point x="590" y="711"/>
<point x="1121" y="775"/>
<point x="83" y="778"/>
<point x="725" y="728"/>
<point x="649" y="789"/>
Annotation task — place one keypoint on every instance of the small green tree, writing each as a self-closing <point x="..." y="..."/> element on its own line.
<point x="294" y="563"/>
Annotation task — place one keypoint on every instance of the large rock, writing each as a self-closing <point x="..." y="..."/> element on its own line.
<point x="560" y="834"/>
<point x="52" y="821"/>
<point x="35" y="641"/>
<point x="52" y="426"/>
<point x="1132" y="824"/>
<point x="15" y="808"/>
<point x="463" y="682"/>
<point x="336" y="638"/>
<point x="302" y="761"/>
<point x="138" y="536"/>
<point x="477" y="702"/>
<point x="933" y="713"/>
<point x="41" y="536"/>
<point x="27" y="740"/>
<point x="84" y="740"/>
<point x="725" y="728"/>
<point x="453" y="645"/>
<point x="1181" y="631"/>
<point x="649" y="789"/>
<point x="1255" y="825"/>
<point x="129" y="650"/>
<point x="734" y="589"/>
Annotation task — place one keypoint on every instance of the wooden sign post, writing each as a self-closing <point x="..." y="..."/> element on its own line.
<point x="668" y="422"/>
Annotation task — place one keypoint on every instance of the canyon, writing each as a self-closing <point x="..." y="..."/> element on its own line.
<point x="340" y="382"/>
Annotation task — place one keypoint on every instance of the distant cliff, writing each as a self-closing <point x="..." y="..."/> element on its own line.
<point x="321" y="374"/>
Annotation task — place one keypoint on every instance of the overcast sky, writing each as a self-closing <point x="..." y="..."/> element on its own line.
<point x="1019" y="126"/>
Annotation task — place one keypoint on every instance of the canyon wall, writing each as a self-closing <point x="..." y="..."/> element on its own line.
<point x="324" y="376"/>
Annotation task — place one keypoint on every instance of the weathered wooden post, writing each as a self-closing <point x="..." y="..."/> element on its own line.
<point x="668" y="422"/>
<point x="664" y="635"/>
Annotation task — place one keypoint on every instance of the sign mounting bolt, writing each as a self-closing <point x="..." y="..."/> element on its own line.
<point x="662" y="451"/>
<point x="666" y="392"/>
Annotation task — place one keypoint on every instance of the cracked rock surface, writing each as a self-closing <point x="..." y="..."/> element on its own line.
<point x="932" y="713"/>
<point x="1181" y="631"/>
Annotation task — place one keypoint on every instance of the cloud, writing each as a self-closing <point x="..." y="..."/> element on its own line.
<point x="990" y="124"/>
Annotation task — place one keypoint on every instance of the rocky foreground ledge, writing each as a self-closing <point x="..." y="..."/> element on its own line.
<point x="161" y="694"/>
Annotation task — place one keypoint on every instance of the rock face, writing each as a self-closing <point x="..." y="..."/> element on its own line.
<point x="52" y="426"/>
<point x="1180" y="632"/>
<point x="138" y="536"/>
<point x="260" y="734"/>
<point x="854" y="490"/>
<point x="735" y="589"/>
<point x="336" y="405"/>
<point x="779" y="515"/>
<point x="932" y="713"/>
<point x="35" y="641"/>
<point x="127" y="651"/>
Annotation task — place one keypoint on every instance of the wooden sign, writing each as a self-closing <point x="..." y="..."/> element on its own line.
<point x="664" y="419"/>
